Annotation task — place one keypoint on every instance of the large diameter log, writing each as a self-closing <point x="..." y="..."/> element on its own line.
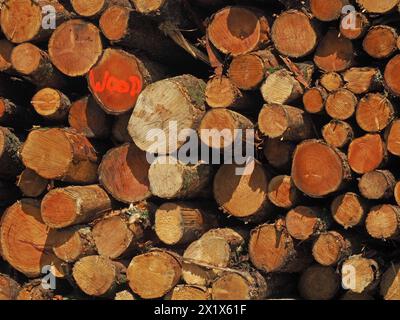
<point x="383" y="222"/>
<point x="376" y="185"/>
<point x="152" y="275"/>
<point x="9" y="288"/>
<point x="389" y="287"/>
<point x="238" y="30"/>
<point x="69" y="206"/>
<point x="338" y="133"/>
<point x="123" y="172"/>
<point x="349" y="210"/>
<point x="363" y="80"/>
<point x="181" y="107"/>
<point x="319" y="283"/>
<point x="26" y="242"/>
<point x="31" y="184"/>
<point x="380" y="41"/>
<point x="392" y="76"/>
<point x="327" y="10"/>
<point x="75" y="161"/>
<point x="341" y="104"/>
<point x="190" y="293"/>
<point x="318" y="169"/>
<point x="51" y="104"/>
<point x="10" y="163"/>
<point x="82" y="40"/>
<point x="288" y="28"/>
<point x="381" y="7"/>
<point x="331" y="247"/>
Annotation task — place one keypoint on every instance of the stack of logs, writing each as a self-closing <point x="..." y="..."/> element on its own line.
<point x="318" y="215"/>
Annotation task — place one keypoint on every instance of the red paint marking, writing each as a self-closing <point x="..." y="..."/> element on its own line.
<point x="113" y="84"/>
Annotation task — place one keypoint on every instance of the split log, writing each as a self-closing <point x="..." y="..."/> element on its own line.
<point x="286" y="122"/>
<point x="331" y="81"/>
<point x="349" y="210"/>
<point x="120" y="129"/>
<point x="376" y="185"/>
<point x="363" y="80"/>
<point x="381" y="7"/>
<point x="124" y="295"/>
<point x="26" y="241"/>
<point x="341" y="104"/>
<point x="318" y="169"/>
<point x="70" y="206"/>
<point x="389" y="287"/>
<point x="82" y="40"/>
<point x="152" y="275"/>
<point x="327" y="10"/>
<point x="383" y="222"/>
<point x="354" y="25"/>
<point x="319" y="283"/>
<point x="183" y="104"/>
<point x="392" y="76"/>
<point x="338" y="133"/>
<point x="31" y="184"/>
<point x="282" y="192"/>
<point x="331" y="247"/>
<point x="75" y="161"/>
<point x="123" y="172"/>
<point x="278" y="153"/>
<point x="34" y="291"/>
<point x="380" y="41"/>
<point x="10" y="163"/>
<point x="86" y="117"/>
<point x="51" y="104"/>
<point x="189" y="292"/>
<point x="366" y="153"/>
<point x="314" y="100"/>
<point x="9" y="288"/>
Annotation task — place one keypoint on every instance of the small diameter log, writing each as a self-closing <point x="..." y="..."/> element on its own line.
<point x="74" y="243"/>
<point x="366" y="153"/>
<point x="377" y="185"/>
<point x="330" y="248"/>
<point x="238" y="30"/>
<point x="182" y="102"/>
<point x="117" y="80"/>
<point x="349" y="210"/>
<point x="288" y="28"/>
<point x="304" y="223"/>
<point x="278" y="153"/>
<point x="6" y="48"/>
<point x="26" y="242"/>
<point x="188" y="292"/>
<point x="318" y="169"/>
<point x="97" y="276"/>
<point x="354" y="25"/>
<point x="338" y="133"/>
<point x="319" y="283"/>
<point x="327" y="10"/>
<point x="119" y="129"/>
<point x="51" y="104"/>
<point x="389" y="287"/>
<point x="392" y="136"/>
<point x="341" y="104"/>
<point x="380" y="41"/>
<point x="31" y="184"/>
<point x="286" y="122"/>
<point x="9" y="288"/>
<point x="94" y="8"/>
<point x="359" y="274"/>
<point x="124" y="295"/>
<point x="363" y="80"/>
<point x="392" y="75"/>
<point x="331" y="81"/>
<point x="34" y="65"/>
<point x="34" y="291"/>
<point x="86" y="117"/>
<point x="152" y="275"/>
<point x="334" y="53"/>
<point x="272" y="249"/>
<point x="281" y="87"/>
<point x="60" y="154"/>
<point x="123" y="172"/>
<point x="10" y="163"/>
<point x="314" y="100"/>
<point x="383" y="222"/>
<point x="248" y="71"/>
<point x="69" y="206"/>
<point x="282" y="192"/>
<point x="244" y="197"/>
<point x="380" y="7"/>
<point x="82" y="40"/>
<point x="181" y="223"/>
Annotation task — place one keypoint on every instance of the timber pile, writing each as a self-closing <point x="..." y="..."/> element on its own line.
<point x="316" y="217"/>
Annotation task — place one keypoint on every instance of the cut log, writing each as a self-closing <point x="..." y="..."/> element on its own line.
<point x="236" y="238"/>
<point x="123" y="172"/>
<point x="334" y="53"/>
<point x="82" y="40"/>
<point x="286" y="122"/>
<point x="366" y="153"/>
<point x="97" y="276"/>
<point x="281" y="87"/>
<point x="34" y="65"/>
<point x="288" y="28"/>
<point x="51" y="104"/>
<point x="376" y="185"/>
<point x="34" y="291"/>
<point x="86" y="117"/>
<point x="248" y="71"/>
<point x="69" y="206"/>
<point x="341" y="104"/>
<point x="349" y="210"/>
<point x="354" y="25"/>
<point x="319" y="283"/>
<point x="304" y="223"/>
<point x="327" y="10"/>
<point x="26" y="242"/>
<point x="397" y="193"/>
<point x="10" y="163"/>
<point x="282" y="192"/>
<point x="154" y="274"/>
<point x="238" y="30"/>
<point x="120" y="129"/>
<point x="381" y="7"/>
<point x="278" y="153"/>
<point x="383" y="222"/>
<point x="392" y="76"/>
<point x="380" y="41"/>
<point x="182" y="107"/>
<point x="93" y="8"/>
<point x="330" y="248"/>
<point x="244" y="197"/>
<point x="363" y="80"/>
<point x="31" y="184"/>
<point x="331" y="81"/>
<point x="9" y="288"/>
<point x="189" y="292"/>
<point x="74" y="161"/>
<point x="124" y="295"/>
<point x="74" y="243"/>
<point x="338" y="133"/>
<point x="318" y="169"/>
<point x="314" y="100"/>
<point x="389" y="287"/>
<point x="393" y="137"/>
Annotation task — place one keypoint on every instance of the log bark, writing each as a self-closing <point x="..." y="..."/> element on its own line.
<point x="51" y="104"/>
<point x="377" y="185"/>
<point x="389" y="287"/>
<point x="314" y="100"/>
<point x="380" y="41"/>
<point x="331" y="247"/>
<point x="338" y="133"/>
<point x="363" y="80"/>
<point x="282" y="192"/>
<point x="319" y="283"/>
<point x="9" y="288"/>
<point x="349" y="210"/>
<point x="10" y="163"/>
<point x="331" y="81"/>
<point x="31" y="184"/>
<point x="383" y="222"/>
<point x="341" y="104"/>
